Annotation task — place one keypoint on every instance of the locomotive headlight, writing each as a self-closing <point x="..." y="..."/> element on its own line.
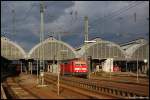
<point x="76" y="68"/>
<point x="83" y="68"/>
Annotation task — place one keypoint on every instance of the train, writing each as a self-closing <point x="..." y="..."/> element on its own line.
<point x="74" y="67"/>
<point x="116" y="68"/>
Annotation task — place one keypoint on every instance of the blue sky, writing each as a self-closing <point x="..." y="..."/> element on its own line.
<point x="111" y="20"/>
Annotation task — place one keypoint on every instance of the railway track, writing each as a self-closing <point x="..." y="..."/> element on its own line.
<point x="124" y="79"/>
<point x="127" y="84"/>
<point x="77" y="88"/>
<point x="116" y="90"/>
<point x="79" y="92"/>
<point x="138" y="88"/>
<point x="3" y="95"/>
<point x="16" y="91"/>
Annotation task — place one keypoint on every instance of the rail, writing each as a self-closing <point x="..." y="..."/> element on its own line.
<point x="14" y="88"/>
<point x="116" y="92"/>
<point x="3" y="94"/>
<point x="97" y="88"/>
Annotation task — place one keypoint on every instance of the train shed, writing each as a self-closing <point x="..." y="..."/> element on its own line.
<point x="137" y="55"/>
<point x="54" y="50"/>
<point x="103" y="53"/>
<point x="11" y="50"/>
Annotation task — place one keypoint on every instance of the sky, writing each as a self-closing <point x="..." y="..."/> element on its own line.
<point x="116" y="21"/>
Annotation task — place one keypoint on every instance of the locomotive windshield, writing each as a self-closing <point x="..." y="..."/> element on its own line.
<point x="77" y="64"/>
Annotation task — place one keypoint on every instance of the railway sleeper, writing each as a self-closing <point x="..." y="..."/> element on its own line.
<point x="90" y="87"/>
<point x="107" y="90"/>
<point x="101" y="89"/>
<point x="97" y="88"/>
<point x="124" y="94"/>
<point x="113" y="92"/>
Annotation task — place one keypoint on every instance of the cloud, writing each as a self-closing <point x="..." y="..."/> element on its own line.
<point x="27" y="19"/>
<point x="123" y="29"/>
<point x="68" y="17"/>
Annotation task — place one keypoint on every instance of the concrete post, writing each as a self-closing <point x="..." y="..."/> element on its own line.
<point x="21" y="67"/>
<point x="29" y="67"/>
<point x="137" y="72"/>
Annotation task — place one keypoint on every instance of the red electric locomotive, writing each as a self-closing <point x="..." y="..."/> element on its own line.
<point x="75" y="67"/>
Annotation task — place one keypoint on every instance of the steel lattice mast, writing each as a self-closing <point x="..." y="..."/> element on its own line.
<point x="42" y="36"/>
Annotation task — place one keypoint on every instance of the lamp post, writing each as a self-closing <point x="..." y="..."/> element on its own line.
<point x="137" y="76"/>
<point x="21" y="61"/>
<point x="126" y="64"/>
<point x="145" y="61"/>
<point x="127" y="70"/>
<point x="37" y="73"/>
<point x="110" y="69"/>
<point x="58" y="70"/>
<point x="110" y="62"/>
<point x="21" y="67"/>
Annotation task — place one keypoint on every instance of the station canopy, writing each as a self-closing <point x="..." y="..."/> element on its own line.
<point x="141" y="53"/>
<point x="52" y="49"/>
<point x="136" y="49"/>
<point x="11" y="50"/>
<point x="101" y="49"/>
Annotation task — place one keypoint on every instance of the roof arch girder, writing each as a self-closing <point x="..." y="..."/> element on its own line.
<point x="104" y="49"/>
<point x="11" y="50"/>
<point x="141" y="52"/>
<point x="53" y="49"/>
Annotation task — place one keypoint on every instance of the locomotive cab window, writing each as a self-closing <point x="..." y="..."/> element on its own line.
<point x="77" y="64"/>
<point x="65" y="63"/>
<point x="82" y="64"/>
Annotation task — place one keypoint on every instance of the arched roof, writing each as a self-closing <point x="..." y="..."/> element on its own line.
<point x="102" y="49"/>
<point x="141" y="52"/>
<point x="51" y="49"/>
<point x="136" y="49"/>
<point x="11" y="50"/>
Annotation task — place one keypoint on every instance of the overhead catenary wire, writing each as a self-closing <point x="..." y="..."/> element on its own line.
<point x="109" y="15"/>
<point x="28" y="12"/>
<point x="114" y="14"/>
<point x="109" y="18"/>
<point x="13" y="23"/>
<point x="121" y="12"/>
